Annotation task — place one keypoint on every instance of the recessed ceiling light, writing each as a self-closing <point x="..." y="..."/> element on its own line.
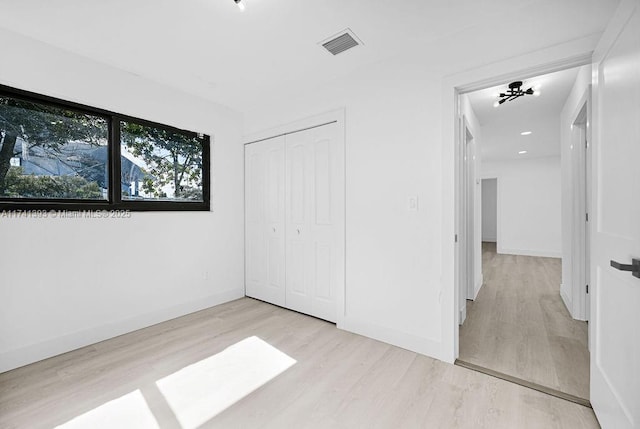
<point x="525" y="133"/>
<point x="522" y="152"/>
<point x="240" y="4"/>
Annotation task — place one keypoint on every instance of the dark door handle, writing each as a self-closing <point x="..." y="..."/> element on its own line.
<point x="634" y="267"/>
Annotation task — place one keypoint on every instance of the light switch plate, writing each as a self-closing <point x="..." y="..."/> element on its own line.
<point x="412" y="203"/>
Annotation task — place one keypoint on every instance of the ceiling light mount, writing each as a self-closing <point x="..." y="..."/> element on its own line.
<point x="515" y="91"/>
<point x="239" y="4"/>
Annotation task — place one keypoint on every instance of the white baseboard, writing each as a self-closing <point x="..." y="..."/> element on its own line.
<point x="478" y="287"/>
<point x="567" y="301"/>
<point x="463" y="314"/>
<point x="35" y="352"/>
<point x="425" y="346"/>
<point x="529" y="252"/>
<point x="489" y="239"/>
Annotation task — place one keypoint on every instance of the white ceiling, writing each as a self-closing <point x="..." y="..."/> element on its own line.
<point x="502" y="126"/>
<point x="212" y="49"/>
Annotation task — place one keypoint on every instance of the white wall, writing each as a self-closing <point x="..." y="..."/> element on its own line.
<point x="570" y="289"/>
<point x="400" y="265"/>
<point x="399" y="142"/>
<point x="489" y="210"/>
<point x="391" y="253"/>
<point x="71" y="282"/>
<point x="528" y="205"/>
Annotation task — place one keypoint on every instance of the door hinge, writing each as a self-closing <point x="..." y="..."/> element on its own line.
<point x="456" y="238"/>
<point x="587" y="216"/>
<point x="587" y="288"/>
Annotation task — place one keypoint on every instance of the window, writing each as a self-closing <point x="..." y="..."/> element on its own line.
<point x="159" y="164"/>
<point x="51" y="153"/>
<point x="59" y="155"/>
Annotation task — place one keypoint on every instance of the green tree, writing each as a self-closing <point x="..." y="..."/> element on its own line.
<point x="30" y="186"/>
<point x="45" y="126"/>
<point x="172" y="158"/>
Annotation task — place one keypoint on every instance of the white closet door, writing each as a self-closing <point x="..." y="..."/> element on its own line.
<point x="264" y="221"/>
<point x="314" y="220"/>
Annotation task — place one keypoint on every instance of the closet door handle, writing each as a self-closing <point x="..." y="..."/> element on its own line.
<point x="634" y="267"/>
<point x="298" y="229"/>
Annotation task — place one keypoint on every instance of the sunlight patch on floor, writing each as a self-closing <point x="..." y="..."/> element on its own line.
<point x="200" y="391"/>
<point x="128" y="411"/>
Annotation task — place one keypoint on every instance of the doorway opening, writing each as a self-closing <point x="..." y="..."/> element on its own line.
<point x="577" y="298"/>
<point x="489" y="211"/>
<point x="522" y="185"/>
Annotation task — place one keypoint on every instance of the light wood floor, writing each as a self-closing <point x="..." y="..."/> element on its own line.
<point x="518" y="324"/>
<point x="339" y="380"/>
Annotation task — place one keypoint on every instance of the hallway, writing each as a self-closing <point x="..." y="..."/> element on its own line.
<point x="519" y="326"/>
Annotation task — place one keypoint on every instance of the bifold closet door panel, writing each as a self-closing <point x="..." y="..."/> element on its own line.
<point x="314" y="220"/>
<point x="265" y="220"/>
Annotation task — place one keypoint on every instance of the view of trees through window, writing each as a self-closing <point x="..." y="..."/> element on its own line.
<point x="50" y="152"/>
<point x="55" y="154"/>
<point x="161" y="164"/>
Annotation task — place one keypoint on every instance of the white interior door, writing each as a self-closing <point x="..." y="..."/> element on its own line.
<point x="461" y="220"/>
<point x="465" y="221"/>
<point x="315" y="220"/>
<point x="615" y="301"/>
<point x="587" y="227"/>
<point x="265" y="220"/>
<point x="470" y="184"/>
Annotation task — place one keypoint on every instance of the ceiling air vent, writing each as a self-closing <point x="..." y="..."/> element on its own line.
<point x="340" y="42"/>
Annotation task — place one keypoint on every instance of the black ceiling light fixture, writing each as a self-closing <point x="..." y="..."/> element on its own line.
<point x="240" y="4"/>
<point x="515" y="91"/>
